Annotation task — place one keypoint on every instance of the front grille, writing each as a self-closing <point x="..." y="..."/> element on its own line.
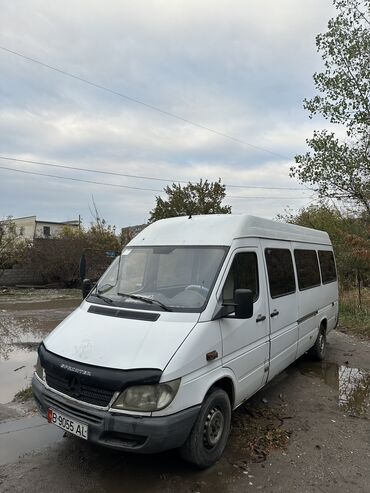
<point x="73" y="410"/>
<point x="85" y="393"/>
<point x="89" y="383"/>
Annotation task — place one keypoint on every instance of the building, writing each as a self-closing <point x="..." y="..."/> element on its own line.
<point x="130" y="232"/>
<point x="32" y="228"/>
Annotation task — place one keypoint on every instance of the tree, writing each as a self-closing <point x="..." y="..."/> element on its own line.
<point x="350" y="235"/>
<point x="101" y="236"/>
<point x="194" y="198"/>
<point x="129" y="232"/>
<point x="12" y="245"/>
<point x="340" y="168"/>
<point x="58" y="259"/>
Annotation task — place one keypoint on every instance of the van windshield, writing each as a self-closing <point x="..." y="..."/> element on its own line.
<point x="172" y="278"/>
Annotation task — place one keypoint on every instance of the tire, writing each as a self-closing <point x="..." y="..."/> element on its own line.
<point x="208" y="437"/>
<point x="318" y="350"/>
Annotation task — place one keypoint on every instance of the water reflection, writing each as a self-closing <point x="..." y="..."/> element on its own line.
<point x="16" y="333"/>
<point x="352" y="384"/>
<point x="17" y="355"/>
<point x="354" y="390"/>
<point x="25" y="318"/>
<point x="9" y="335"/>
<point x="16" y="373"/>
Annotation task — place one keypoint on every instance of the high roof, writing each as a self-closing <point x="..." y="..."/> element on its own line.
<point x="222" y="229"/>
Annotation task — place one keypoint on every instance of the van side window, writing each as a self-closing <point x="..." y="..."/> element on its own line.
<point x="280" y="271"/>
<point x="327" y="266"/>
<point x="243" y="274"/>
<point x="307" y="268"/>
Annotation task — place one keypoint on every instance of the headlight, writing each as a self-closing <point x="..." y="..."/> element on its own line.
<point x="147" y="397"/>
<point x="39" y="369"/>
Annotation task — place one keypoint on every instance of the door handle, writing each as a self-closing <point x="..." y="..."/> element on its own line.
<point x="260" y="318"/>
<point x="275" y="313"/>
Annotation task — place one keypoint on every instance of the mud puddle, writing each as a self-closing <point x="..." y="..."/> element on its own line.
<point x="21" y="436"/>
<point x="26" y="317"/>
<point x="16" y="373"/>
<point x="352" y="385"/>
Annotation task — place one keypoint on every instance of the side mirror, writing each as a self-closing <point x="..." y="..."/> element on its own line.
<point x="243" y="303"/>
<point x="87" y="286"/>
<point x="243" y="306"/>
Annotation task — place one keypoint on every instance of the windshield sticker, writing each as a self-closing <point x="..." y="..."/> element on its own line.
<point x="127" y="251"/>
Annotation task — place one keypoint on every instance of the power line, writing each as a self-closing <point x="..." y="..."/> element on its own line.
<point x="89" y="170"/>
<point x="116" y="185"/>
<point x="79" y="180"/>
<point x="272" y="197"/>
<point x="142" y="103"/>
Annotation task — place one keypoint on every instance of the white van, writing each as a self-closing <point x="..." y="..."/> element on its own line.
<point x="193" y="318"/>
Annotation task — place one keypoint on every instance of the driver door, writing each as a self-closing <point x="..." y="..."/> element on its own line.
<point x="246" y="341"/>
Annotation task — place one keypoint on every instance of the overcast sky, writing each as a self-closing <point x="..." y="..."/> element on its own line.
<point x="240" y="67"/>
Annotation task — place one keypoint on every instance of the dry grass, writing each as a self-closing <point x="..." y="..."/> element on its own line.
<point x="353" y="318"/>
<point x="24" y="395"/>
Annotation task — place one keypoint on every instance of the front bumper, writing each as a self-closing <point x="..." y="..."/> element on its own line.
<point x="140" y="434"/>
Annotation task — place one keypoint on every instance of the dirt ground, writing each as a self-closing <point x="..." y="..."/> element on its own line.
<point x="307" y="431"/>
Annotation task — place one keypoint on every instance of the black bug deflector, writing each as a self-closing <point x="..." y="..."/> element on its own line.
<point x="88" y="383"/>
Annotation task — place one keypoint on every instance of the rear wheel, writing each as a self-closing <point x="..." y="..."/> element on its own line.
<point x="318" y="350"/>
<point x="208" y="438"/>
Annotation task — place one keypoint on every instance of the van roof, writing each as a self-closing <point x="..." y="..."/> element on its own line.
<point x="222" y="229"/>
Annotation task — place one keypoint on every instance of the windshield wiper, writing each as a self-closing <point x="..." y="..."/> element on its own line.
<point x="104" y="298"/>
<point x="152" y="301"/>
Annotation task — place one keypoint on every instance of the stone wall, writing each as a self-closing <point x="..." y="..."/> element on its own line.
<point x="19" y="275"/>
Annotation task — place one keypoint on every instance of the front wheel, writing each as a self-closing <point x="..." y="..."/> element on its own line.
<point x="208" y="438"/>
<point x="318" y="350"/>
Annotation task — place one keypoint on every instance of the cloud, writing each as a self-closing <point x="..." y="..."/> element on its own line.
<point x="240" y="68"/>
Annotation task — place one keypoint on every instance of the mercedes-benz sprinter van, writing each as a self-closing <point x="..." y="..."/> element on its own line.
<point x="194" y="317"/>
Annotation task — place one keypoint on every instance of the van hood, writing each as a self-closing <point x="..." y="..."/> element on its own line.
<point x="121" y="343"/>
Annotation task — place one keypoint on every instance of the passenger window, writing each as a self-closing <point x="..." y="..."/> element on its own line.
<point x="280" y="271"/>
<point x="327" y="266"/>
<point x="243" y="274"/>
<point x="307" y="269"/>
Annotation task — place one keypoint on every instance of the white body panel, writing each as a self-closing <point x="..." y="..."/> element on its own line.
<point x="118" y="342"/>
<point x="246" y="342"/>
<point x="283" y="327"/>
<point x="248" y="352"/>
<point x="222" y="229"/>
<point x="191" y="365"/>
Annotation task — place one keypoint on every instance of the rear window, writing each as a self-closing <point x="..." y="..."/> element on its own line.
<point x="280" y="271"/>
<point x="327" y="266"/>
<point x="307" y="266"/>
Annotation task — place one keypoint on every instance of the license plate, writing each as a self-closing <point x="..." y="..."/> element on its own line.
<point x="68" y="424"/>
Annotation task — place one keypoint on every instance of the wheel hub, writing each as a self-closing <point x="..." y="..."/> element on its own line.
<point x="321" y="343"/>
<point x="213" y="427"/>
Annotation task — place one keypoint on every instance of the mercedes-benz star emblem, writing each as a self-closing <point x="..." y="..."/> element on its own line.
<point x="74" y="386"/>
